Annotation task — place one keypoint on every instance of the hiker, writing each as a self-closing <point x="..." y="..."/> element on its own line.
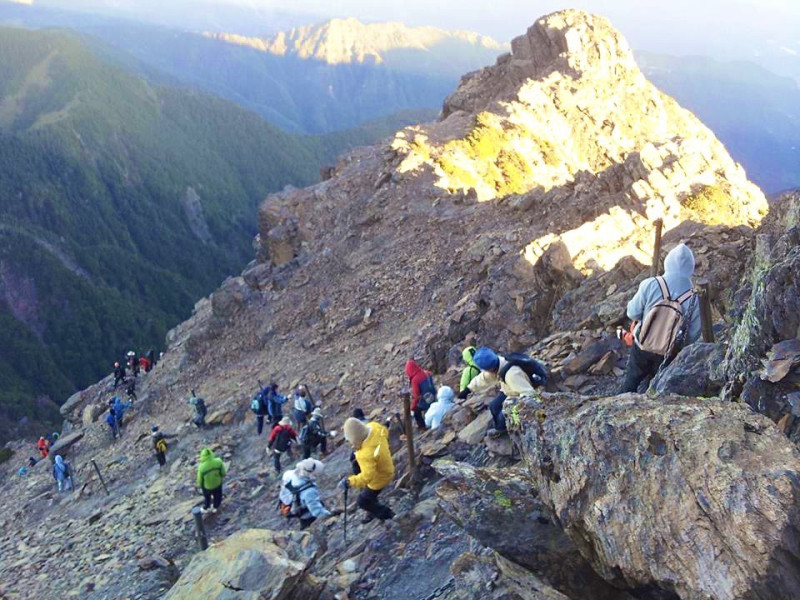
<point x="423" y="391"/>
<point x="665" y="309"/>
<point x="119" y="410"/>
<point x="281" y="440"/>
<point x="443" y="405"/>
<point x="275" y="402"/>
<point x="144" y="364"/>
<point x="32" y="461"/>
<point x="133" y="363"/>
<point x="210" y="474"/>
<point x="260" y="406"/>
<point x="314" y="434"/>
<point x="119" y="374"/>
<point x="43" y="446"/>
<point x="200" y="410"/>
<point x="130" y="391"/>
<point x="302" y="406"/>
<point x="159" y="445"/>
<point x="62" y="473"/>
<point x="517" y="375"/>
<point x="114" y="423"/>
<point x="371" y="444"/>
<point x="152" y="358"/>
<point x="299" y="496"/>
<point x="470" y="372"/>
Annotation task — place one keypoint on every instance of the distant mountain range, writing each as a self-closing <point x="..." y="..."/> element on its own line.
<point x="123" y="202"/>
<point x="754" y="112"/>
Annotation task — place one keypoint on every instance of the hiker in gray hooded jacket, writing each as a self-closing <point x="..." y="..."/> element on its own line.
<point x="678" y="271"/>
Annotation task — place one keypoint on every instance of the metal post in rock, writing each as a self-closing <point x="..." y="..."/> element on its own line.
<point x="704" y="297"/>
<point x="202" y="538"/>
<point x="96" y="468"/>
<point x="412" y="463"/>
<point x="659" y="224"/>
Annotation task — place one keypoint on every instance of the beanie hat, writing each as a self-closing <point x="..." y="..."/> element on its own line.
<point x="309" y="467"/>
<point x="486" y="359"/>
<point x="355" y="432"/>
<point x="285" y="421"/>
<point x="445" y="394"/>
<point x="154" y="428"/>
<point x="359" y="414"/>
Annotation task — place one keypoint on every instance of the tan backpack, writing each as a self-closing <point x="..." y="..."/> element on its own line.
<point x="661" y="325"/>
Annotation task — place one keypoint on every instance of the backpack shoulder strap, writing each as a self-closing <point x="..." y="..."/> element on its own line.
<point x="685" y="296"/>
<point x="662" y="283"/>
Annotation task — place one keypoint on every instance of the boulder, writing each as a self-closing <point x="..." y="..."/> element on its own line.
<point x="499" y="508"/>
<point x="495" y="578"/>
<point x="64" y="443"/>
<point x="692" y="372"/>
<point x="220" y="417"/>
<point x="230" y="298"/>
<point x="254" y="564"/>
<point x="697" y="498"/>
<point x="90" y="413"/>
<point x="474" y="432"/>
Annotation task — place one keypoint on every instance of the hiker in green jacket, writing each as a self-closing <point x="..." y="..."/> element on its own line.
<point x="210" y="473"/>
<point x="470" y="372"/>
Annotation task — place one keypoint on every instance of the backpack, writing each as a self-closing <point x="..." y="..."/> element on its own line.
<point x="427" y="392"/>
<point x="662" y="324"/>
<point x="295" y="508"/>
<point x="535" y="371"/>
<point x="161" y="445"/>
<point x="257" y="402"/>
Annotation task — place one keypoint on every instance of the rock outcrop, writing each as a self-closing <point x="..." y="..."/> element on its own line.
<point x="694" y="497"/>
<point x="253" y="564"/>
<point x="498" y="508"/>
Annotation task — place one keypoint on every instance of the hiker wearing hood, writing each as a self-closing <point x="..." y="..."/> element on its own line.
<point x="62" y="474"/>
<point x="210" y="474"/>
<point x="113" y="423"/>
<point x="443" y="405"/>
<point x="200" y="410"/>
<point x="471" y="371"/>
<point x="514" y="384"/>
<point x="677" y="286"/>
<point x="43" y="446"/>
<point x="281" y="440"/>
<point x="299" y="496"/>
<point x="371" y="443"/>
<point x="423" y="391"/>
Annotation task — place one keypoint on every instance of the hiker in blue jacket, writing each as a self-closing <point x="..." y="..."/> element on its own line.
<point x="275" y="404"/>
<point x="62" y="474"/>
<point x="113" y="423"/>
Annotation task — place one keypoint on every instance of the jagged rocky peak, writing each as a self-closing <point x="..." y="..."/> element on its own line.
<point x="346" y="41"/>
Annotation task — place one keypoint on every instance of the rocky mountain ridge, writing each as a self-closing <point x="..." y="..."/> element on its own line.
<point x="379" y="263"/>
<point x="347" y="41"/>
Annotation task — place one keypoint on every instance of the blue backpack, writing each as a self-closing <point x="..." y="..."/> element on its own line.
<point x="427" y="392"/>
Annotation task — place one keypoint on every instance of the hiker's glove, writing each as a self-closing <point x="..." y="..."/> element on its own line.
<point x="344" y="484"/>
<point x="462" y="395"/>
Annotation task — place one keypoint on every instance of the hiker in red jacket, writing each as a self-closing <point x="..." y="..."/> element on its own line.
<point x="44" y="447"/>
<point x="280" y="441"/>
<point x="423" y="391"/>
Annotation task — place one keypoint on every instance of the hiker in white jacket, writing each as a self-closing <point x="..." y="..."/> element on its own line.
<point x="437" y="411"/>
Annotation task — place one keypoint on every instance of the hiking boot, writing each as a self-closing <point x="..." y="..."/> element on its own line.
<point x="204" y="511"/>
<point x="496" y="433"/>
<point x="368" y="519"/>
<point x="212" y="510"/>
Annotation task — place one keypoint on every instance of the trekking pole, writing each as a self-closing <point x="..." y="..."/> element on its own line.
<point x="705" y="311"/>
<point x="657" y="249"/>
<point x="96" y="468"/>
<point x="345" y="515"/>
<point x="412" y="465"/>
<point x="202" y="538"/>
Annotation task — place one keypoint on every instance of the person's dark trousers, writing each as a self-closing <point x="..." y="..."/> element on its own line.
<point x="260" y="423"/>
<point x="641" y="365"/>
<point x="306" y="523"/>
<point x="215" y="494"/>
<point x="311" y="445"/>
<point x="368" y="500"/>
<point x="496" y="408"/>
<point x="276" y="459"/>
<point x="300" y="418"/>
<point x="419" y="417"/>
<point x="161" y="458"/>
<point x="117" y="381"/>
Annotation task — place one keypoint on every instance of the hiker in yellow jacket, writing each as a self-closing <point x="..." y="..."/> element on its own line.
<point x="371" y="444"/>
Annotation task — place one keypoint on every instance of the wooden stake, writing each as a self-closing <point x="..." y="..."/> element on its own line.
<point x="412" y="463"/>
<point x="704" y="298"/>
<point x="96" y="468"/>
<point x="657" y="249"/>
<point x="202" y="538"/>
